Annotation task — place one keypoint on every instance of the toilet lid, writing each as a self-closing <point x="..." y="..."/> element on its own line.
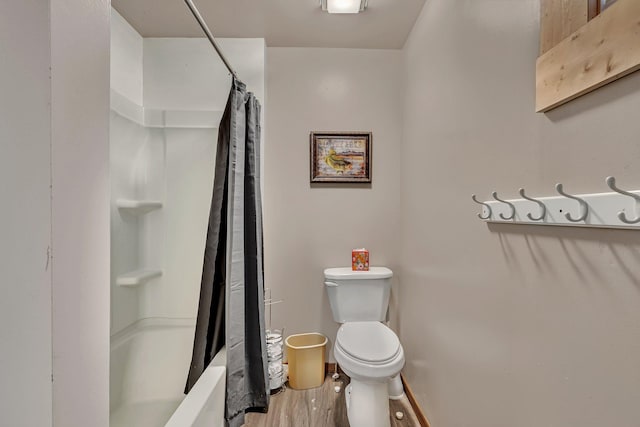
<point x="370" y="342"/>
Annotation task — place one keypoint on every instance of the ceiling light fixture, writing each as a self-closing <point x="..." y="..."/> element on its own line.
<point x="344" y="6"/>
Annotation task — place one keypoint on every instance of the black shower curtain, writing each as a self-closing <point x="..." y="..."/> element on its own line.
<point x="231" y="308"/>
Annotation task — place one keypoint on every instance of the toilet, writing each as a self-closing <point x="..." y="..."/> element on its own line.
<point x="365" y="348"/>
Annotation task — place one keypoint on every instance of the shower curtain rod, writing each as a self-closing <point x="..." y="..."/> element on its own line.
<point x="206" y="30"/>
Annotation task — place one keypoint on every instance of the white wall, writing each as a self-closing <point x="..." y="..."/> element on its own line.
<point x="54" y="133"/>
<point x="308" y="228"/>
<point x="80" y="211"/>
<point x="126" y="59"/>
<point x="187" y="74"/>
<point x="512" y="326"/>
<point x="128" y="140"/>
<point x="175" y="166"/>
<point x="175" y="237"/>
<point x="25" y="217"/>
<point x="127" y="156"/>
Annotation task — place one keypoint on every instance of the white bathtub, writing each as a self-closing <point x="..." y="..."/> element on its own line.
<point x="149" y="365"/>
<point x="204" y="405"/>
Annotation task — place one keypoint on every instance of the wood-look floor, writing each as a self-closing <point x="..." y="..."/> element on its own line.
<point x="320" y="407"/>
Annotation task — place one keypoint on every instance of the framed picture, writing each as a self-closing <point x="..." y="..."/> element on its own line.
<point x="340" y="157"/>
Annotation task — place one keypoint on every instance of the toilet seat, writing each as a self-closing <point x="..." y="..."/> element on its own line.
<point x="368" y="351"/>
<point x="368" y="342"/>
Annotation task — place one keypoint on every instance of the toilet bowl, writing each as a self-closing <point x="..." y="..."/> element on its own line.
<point x="365" y="348"/>
<point x="370" y="354"/>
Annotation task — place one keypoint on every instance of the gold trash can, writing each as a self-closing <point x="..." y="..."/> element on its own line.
<point x="306" y="356"/>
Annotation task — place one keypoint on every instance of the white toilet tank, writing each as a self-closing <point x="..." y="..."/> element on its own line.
<point x="358" y="295"/>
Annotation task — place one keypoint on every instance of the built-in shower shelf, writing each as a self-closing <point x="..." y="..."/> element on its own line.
<point x="138" y="277"/>
<point x="138" y="207"/>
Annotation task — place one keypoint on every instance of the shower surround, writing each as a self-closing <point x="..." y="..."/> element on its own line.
<point x="167" y="97"/>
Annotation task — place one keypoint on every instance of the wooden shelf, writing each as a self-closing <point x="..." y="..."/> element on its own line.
<point x="138" y="207"/>
<point x="138" y="277"/>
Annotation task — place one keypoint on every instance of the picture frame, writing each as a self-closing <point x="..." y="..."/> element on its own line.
<point x="340" y="157"/>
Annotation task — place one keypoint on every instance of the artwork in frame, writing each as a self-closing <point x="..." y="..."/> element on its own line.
<point x="340" y="157"/>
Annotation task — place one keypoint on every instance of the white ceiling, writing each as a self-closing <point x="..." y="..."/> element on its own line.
<point x="286" y="23"/>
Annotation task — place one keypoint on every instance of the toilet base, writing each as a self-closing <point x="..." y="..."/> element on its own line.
<point x="367" y="404"/>
<point x="396" y="389"/>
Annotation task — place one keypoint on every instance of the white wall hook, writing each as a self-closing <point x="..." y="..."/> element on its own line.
<point x="611" y="182"/>
<point x="601" y="210"/>
<point x="486" y="205"/>
<point x="584" y="206"/>
<point x="543" y="207"/>
<point x="513" y="208"/>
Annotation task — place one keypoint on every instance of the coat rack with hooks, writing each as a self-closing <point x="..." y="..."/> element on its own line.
<point x="617" y="209"/>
